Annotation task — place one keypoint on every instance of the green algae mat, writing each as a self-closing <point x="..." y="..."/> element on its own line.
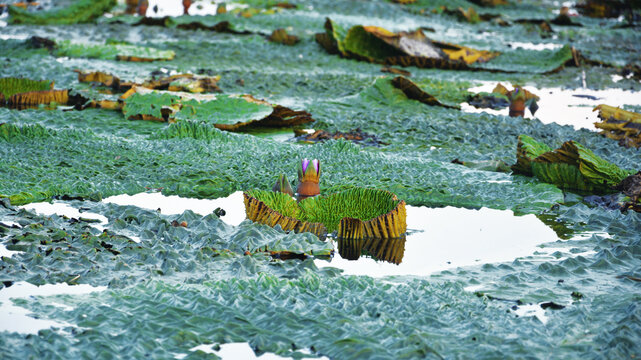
<point x="397" y="70"/>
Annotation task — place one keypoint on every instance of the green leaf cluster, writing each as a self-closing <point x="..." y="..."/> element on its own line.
<point x="221" y="109"/>
<point x="572" y="166"/>
<point x="80" y="11"/>
<point x="11" y="85"/>
<point x="110" y="51"/>
<point x="359" y="203"/>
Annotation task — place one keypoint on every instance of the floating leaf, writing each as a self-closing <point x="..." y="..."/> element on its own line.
<point x="356" y="213"/>
<point x="226" y="112"/>
<point x="100" y="77"/>
<point x="11" y="132"/>
<point x="181" y="82"/>
<point x="545" y="61"/>
<point x="81" y="11"/>
<point x="39" y="97"/>
<point x="489" y="3"/>
<point x="572" y="166"/>
<point x="606" y="8"/>
<point x="414" y="92"/>
<point x="11" y="86"/>
<point x="375" y="44"/>
<point x="391" y="70"/>
<point x="621" y="125"/>
<point x="282" y="37"/>
<point x="394" y="92"/>
<point x="121" y="52"/>
<point x="333" y="38"/>
<point x="24" y="93"/>
<point x="631" y="187"/>
<point x="527" y="150"/>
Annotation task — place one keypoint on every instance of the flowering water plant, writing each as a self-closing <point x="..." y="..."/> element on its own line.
<point x="308" y="178"/>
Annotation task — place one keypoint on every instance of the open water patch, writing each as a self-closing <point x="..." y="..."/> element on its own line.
<point x="537" y="47"/>
<point x="233" y="205"/>
<point x="6" y="252"/>
<point x="15" y="318"/>
<point x="530" y="310"/>
<point x="160" y="8"/>
<point x="64" y="209"/>
<point x="443" y="238"/>
<point x="240" y="350"/>
<point x="564" y="106"/>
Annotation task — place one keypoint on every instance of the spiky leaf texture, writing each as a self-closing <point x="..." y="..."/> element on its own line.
<point x="10" y="86"/>
<point x="358" y="203"/>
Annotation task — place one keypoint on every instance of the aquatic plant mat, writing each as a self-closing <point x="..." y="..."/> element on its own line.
<point x="171" y="288"/>
<point x="357" y="213"/>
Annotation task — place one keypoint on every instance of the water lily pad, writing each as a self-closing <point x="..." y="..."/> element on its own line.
<point x="21" y="93"/>
<point x="527" y="150"/>
<point x="621" y="125"/>
<point x="12" y="86"/>
<point x="281" y="36"/>
<point x="357" y="213"/>
<point x="181" y="82"/>
<point x="122" y="52"/>
<point x="572" y="166"/>
<point x="81" y="11"/>
<point x="399" y="90"/>
<point x="544" y="61"/>
<point x="414" y="92"/>
<point x="226" y="112"/>
<point x="376" y="44"/>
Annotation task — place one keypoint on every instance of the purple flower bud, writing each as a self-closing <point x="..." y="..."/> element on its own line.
<point x="305" y="164"/>
<point x="316" y="165"/>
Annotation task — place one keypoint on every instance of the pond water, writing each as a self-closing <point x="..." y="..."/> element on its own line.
<point x="532" y="46"/>
<point x="438" y="238"/>
<point x="17" y="319"/>
<point x="444" y="238"/>
<point x="172" y="205"/>
<point x="530" y="310"/>
<point x="562" y="106"/>
<point x="6" y="252"/>
<point x="240" y="350"/>
<point x="175" y="7"/>
<point x="64" y="209"/>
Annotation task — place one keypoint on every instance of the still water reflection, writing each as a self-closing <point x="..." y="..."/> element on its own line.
<point x="443" y="238"/>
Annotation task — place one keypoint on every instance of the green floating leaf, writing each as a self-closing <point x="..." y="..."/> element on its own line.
<point x="226" y="112"/>
<point x="527" y="150"/>
<point x="355" y="213"/>
<point x="363" y="43"/>
<point x="375" y="44"/>
<point x="112" y="52"/>
<point x="530" y="61"/>
<point x="11" y="86"/>
<point x="82" y="11"/>
<point x="399" y="90"/>
<point x="572" y="166"/>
